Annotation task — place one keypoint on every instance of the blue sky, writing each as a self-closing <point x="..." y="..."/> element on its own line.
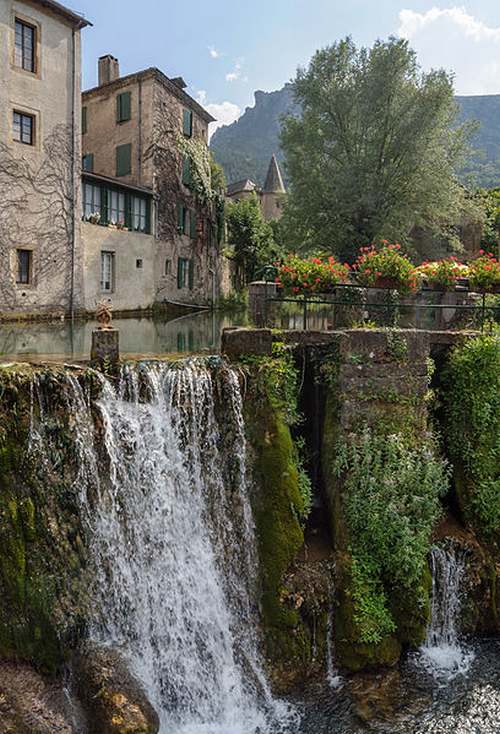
<point x="225" y="50"/>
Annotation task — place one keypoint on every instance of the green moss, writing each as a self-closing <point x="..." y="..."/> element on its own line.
<point x="279" y="504"/>
<point x="35" y="549"/>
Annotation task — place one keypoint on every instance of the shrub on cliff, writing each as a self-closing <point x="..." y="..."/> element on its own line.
<point x="391" y="503"/>
<point x="471" y="393"/>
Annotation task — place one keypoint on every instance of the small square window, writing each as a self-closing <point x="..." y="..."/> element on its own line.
<point x="24" y="128"/>
<point x="138" y="263"/>
<point x="24" y="267"/>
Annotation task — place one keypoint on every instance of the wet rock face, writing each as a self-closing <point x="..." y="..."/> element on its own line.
<point x="114" y="700"/>
<point x="32" y="704"/>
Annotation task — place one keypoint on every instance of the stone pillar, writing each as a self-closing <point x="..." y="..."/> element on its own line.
<point x="105" y="346"/>
<point x="261" y="310"/>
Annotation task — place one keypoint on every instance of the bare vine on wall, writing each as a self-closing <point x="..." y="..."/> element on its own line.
<point x="37" y="212"/>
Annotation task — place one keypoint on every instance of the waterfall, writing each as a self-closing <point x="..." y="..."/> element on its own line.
<point x="333" y="676"/>
<point x="443" y="653"/>
<point x="163" y="485"/>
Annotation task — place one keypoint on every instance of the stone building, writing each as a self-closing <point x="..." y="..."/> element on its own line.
<point x="272" y="196"/>
<point x="142" y="136"/>
<point x="41" y="259"/>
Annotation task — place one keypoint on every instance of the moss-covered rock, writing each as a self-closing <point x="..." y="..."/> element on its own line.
<point x="278" y="508"/>
<point x="41" y="552"/>
<point x="113" y="699"/>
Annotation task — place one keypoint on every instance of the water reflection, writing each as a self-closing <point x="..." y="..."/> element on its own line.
<point x="193" y="333"/>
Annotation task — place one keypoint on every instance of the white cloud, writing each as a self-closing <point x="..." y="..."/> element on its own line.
<point x="214" y="53"/>
<point x="454" y="39"/>
<point x="224" y="112"/>
<point x="234" y="75"/>
<point x="412" y="23"/>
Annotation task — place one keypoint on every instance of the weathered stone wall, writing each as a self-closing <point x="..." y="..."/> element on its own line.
<point x="39" y="184"/>
<point x="133" y="286"/>
<point x="157" y="161"/>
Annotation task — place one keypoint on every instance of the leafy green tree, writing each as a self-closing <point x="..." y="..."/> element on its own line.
<point x="375" y="151"/>
<point x="490" y="200"/>
<point x="250" y="239"/>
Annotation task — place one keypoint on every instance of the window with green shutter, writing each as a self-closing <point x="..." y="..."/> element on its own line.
<point x="192" y="224"/>
<point x="191" y="275"/>
<point x="88" y="162"/>
<point x="124" y="160"/>
<point x="181" y="218"/>
<point x="84" y="120"/>
<point x="123" y="107"/>
<point x="183" y="270"/>
<point x="187" y="123"/>
<point x="186" y="171"/>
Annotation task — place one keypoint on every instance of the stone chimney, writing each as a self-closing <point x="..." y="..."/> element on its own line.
<point x="109" y="69"/>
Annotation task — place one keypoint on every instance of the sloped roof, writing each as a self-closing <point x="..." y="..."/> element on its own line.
<point x="274" y="180"/>
<point x="239" y="187"/>
<point x="171" y="84"/>
<point x="75" y="19"/>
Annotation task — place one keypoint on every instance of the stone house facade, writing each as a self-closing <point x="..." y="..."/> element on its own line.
<point x="137" y="134"/>
<point x="41" y="256"/>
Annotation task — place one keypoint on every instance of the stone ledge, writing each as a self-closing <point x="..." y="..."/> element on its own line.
<point x="238" y="342"/>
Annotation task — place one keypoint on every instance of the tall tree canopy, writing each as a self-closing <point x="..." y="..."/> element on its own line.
<point x="375" y="151"/>
<point x="251" y="240"/>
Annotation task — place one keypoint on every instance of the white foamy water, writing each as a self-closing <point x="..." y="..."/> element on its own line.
<point x="444" y="654"/>
<point x="164" y="489"/>
<point x="174" y="547"/>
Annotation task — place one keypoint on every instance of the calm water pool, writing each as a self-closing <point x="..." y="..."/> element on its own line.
<point x="193" y="333"/>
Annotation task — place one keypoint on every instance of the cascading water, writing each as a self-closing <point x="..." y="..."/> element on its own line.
<point x="333" y="676"/>
<point x="443" y="652"/>
<point x="173" y="543"/>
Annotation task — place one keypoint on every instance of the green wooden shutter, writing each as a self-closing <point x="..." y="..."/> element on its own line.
<point x="180" y="217"/>
<point x="192" y="224"/>
<point x="187" y="123"/>
<point x="84" y="120"/>
<point x="191" y="274"/>
<point x="186" y="171"/>
<point x="148" y="216"/>
<point x="124" y="159"/>
<point x="124" y="107"/>
<point x="88" y="162"/>
<point x="180" y="272"/>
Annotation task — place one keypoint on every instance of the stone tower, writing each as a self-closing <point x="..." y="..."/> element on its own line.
<point x="274" y="193"/>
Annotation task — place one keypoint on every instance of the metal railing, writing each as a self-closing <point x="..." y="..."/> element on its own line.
<point x="396" y="307"/>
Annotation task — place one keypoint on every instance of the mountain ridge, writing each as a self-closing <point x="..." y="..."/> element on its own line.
<point x="245" y="147"/>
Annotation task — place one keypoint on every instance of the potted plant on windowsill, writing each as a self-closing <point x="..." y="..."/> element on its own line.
<point x="385" y="267"/>
<point x="484" y="273"/>
<point x="310" y="276"/>
<point x="441" y="275"/>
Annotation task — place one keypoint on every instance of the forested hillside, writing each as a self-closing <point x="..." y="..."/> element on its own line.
<point x="245" y="147"/>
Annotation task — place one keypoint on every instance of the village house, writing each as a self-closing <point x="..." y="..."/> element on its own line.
<point x="141" y="135"/>
<point x="41" y="256"/>
<point x="271" y="197"/>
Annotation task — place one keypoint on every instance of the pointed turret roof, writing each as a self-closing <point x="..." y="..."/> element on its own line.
<point x="274" y="180"/>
